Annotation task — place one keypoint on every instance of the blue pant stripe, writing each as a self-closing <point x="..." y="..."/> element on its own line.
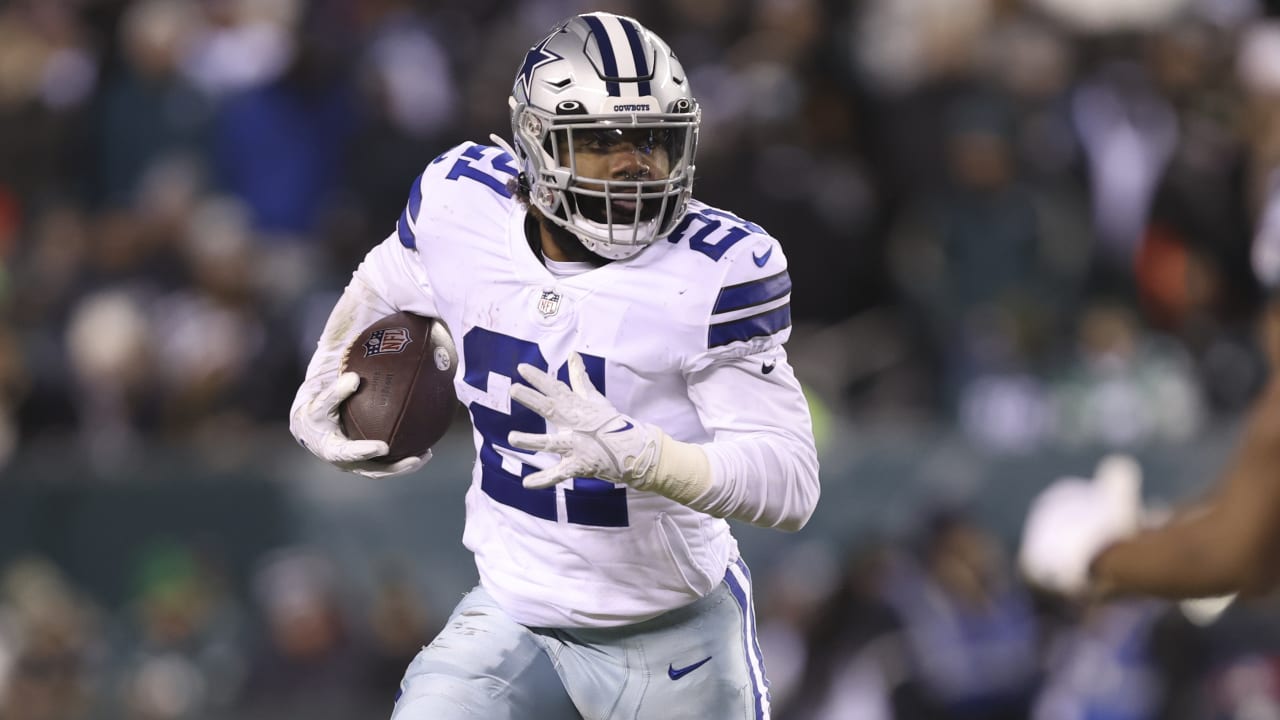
<point x="750" y="641"/>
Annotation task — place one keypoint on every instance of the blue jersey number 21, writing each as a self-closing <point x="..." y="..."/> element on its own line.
<point x="488" y="354"/>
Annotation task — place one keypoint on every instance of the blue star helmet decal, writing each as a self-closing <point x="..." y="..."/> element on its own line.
<point x="537" y="56"/>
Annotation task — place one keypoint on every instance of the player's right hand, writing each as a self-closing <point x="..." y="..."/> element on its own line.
<point x="1073" y="520"/>
<point x="316" y="427"/>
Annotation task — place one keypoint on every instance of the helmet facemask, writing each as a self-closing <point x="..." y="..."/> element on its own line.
<point x="613" y="217"/>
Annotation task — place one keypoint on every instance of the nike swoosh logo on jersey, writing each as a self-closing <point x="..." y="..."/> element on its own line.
<point x="762" y="259"/>
<point x="628" y="426"/>
<point x="676" y="673"/>
<point x="767" y="368"/>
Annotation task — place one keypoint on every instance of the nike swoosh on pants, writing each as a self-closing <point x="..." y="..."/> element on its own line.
<point x="676" y="673"/>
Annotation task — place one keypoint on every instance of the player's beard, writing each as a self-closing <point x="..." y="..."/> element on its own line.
<point x="567" y="243"/>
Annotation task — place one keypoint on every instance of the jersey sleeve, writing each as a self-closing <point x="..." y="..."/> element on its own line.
<point x="763" y="460"/>
<point x="751" y="312"/>
<point x="764" y="464"/>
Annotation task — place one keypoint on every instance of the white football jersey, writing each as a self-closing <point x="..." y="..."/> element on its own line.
<point x="686" y="335"/>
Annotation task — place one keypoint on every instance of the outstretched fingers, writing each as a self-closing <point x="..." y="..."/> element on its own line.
<point x="539" y="379"/>
<point x="579" y="381"/>
<point x="533" y="400"/>
<point x="547" y="478"/>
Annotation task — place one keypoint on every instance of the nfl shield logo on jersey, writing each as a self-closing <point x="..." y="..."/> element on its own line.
<point x="387" y="340"/>
<point x="549" y="303"/>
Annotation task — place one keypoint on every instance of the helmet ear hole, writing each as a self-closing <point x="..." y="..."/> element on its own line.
<point x="570" y="107"/>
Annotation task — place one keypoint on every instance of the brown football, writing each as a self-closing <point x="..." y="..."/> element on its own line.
<point x="406" y="399"/>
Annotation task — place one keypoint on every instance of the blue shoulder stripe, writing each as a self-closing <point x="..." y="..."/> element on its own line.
<point x="405" y="232"/>
<point x="415" y="196"/>
<point x="403" y="227"/>
<point x="766" y="323"/>
<point x="755" y="292"/>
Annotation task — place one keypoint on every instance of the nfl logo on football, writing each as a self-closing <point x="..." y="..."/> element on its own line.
<point x="549" y="303"/>
<point x="387" y="340"/>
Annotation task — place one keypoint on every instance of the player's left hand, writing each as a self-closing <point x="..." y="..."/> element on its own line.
<point x="592" y="438"/>
<point x="1073" y="520"/>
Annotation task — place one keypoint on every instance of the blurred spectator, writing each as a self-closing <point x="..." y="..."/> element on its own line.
<point x="49" y="645"/>
<point x="983" y="267"/>
<point x="108" y="345"/>
<point x="185" y="655"/>
<point x="208" y="333"/>
<point x="148" y="110"/>
<point x="1125" y="387"/>
<point x="238" y="45"/>
<point x="310" y="662"/>
<point x="856" y="664"/>
<point x="972" y="635"/>
<point x="280" y="146"/>
<point x="1230" y="669"/>
<point x="48" y="72"/>
<point x="409" y="70"/>
<point x="409" y="95"/>
<point x="1102" y="666"/>
<point x="399" y="623"/>
<point x="803" y="582"/>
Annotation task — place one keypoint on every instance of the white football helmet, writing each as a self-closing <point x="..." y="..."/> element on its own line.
<point x="606" y="77"/>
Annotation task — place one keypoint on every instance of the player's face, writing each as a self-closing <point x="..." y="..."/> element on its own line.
<point x="631" y="154"/>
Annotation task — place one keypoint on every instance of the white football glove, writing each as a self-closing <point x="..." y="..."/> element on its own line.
<point x="594" y="440"/>
<point x="316" y="427"/>
<point x="1073" y="520"/>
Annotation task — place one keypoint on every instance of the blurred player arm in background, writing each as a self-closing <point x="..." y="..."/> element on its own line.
<point x="1224" y="544"/>
<point x="1228" y="543"/>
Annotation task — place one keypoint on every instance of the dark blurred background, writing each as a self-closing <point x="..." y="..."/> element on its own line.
<point x="1023" y="233"/>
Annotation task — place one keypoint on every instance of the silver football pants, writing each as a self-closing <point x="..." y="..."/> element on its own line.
<point x="698" y="662"/>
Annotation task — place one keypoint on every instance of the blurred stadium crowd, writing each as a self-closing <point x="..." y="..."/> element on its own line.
<point x="1038" y="222"/>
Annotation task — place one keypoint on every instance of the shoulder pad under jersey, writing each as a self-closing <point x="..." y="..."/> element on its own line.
<point x="468" y="180"/>
<point x="751" y="308"/>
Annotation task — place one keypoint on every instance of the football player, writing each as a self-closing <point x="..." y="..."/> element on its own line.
<point x="621" y="356"/>
<point x="1084" y="537"/>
